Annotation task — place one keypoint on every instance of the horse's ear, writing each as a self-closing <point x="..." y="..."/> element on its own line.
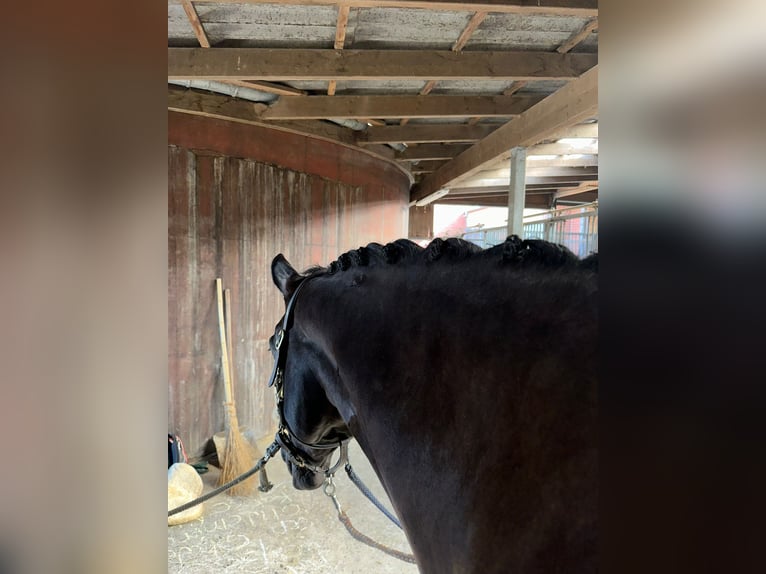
<point x="285" y="277"/>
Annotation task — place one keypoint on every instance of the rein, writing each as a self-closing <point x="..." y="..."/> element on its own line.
<point x="286" y="440"/>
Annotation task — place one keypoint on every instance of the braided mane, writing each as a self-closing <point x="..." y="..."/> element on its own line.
<point x="513" y="251"/>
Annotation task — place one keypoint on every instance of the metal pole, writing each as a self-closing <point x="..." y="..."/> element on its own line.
<point x="516" y="191"/>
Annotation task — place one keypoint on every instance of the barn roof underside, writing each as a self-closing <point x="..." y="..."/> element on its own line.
<point x="445" y="89"/>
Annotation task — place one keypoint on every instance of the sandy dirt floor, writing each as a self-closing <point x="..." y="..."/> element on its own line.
<point x="288" y="531"/>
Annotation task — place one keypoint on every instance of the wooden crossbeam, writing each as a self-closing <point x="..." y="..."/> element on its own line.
<point x="199" y="31"/>
<point x="551" y="168"/>
<point x="578" y="36"/>
<point x="559" y="149"/>
<point x="580" y="8"/>
<point x="427" y="166"/>
<point x="578" y="131"/>
<point x="431" y="151"/>
<point x="242" y="111"/>
<point x="572" y="104"/>
<point x="579" y="168"/>
<point x="312" y="64"/>
<point x="358" y="107"/>
<point x="537" y="200"/>
<point x="577" y="190"/>
<point x="424" y="134"/>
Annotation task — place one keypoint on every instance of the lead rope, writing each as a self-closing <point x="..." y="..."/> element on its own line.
<point x="329" y="490"/>
<point x="370" y="496"/>
<point x="272" y="449"/>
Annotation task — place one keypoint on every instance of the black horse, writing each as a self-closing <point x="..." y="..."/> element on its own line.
<point x="468" y="377"/>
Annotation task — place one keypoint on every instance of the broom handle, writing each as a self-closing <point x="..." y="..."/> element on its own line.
<point x="229" y="338"/>
<point x="224" y="350"/>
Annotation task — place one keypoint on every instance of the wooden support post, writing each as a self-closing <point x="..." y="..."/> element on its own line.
<point x="517" y="191"/>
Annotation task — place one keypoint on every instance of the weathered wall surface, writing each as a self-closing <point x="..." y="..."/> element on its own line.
<point x="238" y="196"/>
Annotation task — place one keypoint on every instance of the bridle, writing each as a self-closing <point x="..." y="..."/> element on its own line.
<point x="286" y="440"/>
<point x="285" y="437"/>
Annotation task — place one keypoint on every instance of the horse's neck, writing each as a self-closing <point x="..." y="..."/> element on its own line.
<point x="460" y="449"/>
<point x="388" y="405"/>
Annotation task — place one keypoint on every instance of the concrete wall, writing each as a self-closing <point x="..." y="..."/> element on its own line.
<point x="238" y="195"/>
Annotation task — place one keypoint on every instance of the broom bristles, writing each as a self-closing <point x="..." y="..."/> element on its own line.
<point x="239" y="457"/>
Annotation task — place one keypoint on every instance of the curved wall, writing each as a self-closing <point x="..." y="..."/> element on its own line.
<point x="237" y="196"/>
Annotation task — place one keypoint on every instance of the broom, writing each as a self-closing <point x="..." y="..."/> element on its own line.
<point x="238" y="455"/>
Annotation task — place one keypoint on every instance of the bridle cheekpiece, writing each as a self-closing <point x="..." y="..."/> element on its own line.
<point x="285" y="437"/>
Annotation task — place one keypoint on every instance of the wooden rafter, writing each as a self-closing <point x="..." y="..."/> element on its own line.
<point x="340" y="39"/>
<point x="560" y="149"/>
<point x="579" y="8"/>
<point x="428" y="166"/>
<point x="450" y="133"/>
<point x="424" y="91"/>
<point x="515" y="87"/>
<point x="312" y="64"/>
<point x="578" y="36"/>
<point x="360" y="107"/>
<point x="199" y="31"/>
<point x="278" y="89"/>
<point x="431" y="151"/>
<point x="583" y="187"/>
<point x="459" y="44"/>
<point x="468" y="31"/>
<point x="572" y="104"/>
<point x="340" y="28"/>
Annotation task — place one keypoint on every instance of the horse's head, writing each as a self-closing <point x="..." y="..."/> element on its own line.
<point x="311" y="427"/>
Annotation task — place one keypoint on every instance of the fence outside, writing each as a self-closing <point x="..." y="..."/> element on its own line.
<point x="573" y="227"/>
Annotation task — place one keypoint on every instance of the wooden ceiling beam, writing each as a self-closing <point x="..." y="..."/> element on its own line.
<point x="199" y="31"/>
<point x="450" y="133"/>
<point x="272" y="64"/>
<point x="559" y="149"/>
<point x="572" y="104"/>
<point x="577" y="190"/>
<point x="588" y="172"/>
<point x="579" y="8"/>
<point x="536" y="200"/>
<point x="431" y="151"/>
<point x="359" y="107"/>
<point x="427" y="166"/>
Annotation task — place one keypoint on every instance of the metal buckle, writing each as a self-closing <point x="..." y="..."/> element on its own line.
<point x="280" y="338"/>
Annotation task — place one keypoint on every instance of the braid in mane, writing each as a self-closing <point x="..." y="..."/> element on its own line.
<point x="513" y="251"/>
